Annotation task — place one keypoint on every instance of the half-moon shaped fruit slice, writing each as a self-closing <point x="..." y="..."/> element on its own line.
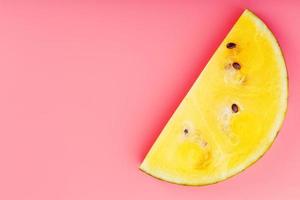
<point x="232" y="113"/>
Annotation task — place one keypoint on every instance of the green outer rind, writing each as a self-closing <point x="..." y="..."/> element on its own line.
<point x="267" y="149"/>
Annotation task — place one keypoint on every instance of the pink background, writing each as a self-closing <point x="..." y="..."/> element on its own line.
<point x="86" y="88"/>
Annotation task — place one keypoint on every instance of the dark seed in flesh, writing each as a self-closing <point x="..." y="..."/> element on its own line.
<point x="234" y="108"/>
<point x="231" y="45"/>
<point x="236" y="66"/>
<point x="186" y="131"/>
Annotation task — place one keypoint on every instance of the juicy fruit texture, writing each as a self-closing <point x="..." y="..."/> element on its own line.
<point x="230" y="116"/>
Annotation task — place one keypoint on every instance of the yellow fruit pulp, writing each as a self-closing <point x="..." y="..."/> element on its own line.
<point x="232" y="113"/>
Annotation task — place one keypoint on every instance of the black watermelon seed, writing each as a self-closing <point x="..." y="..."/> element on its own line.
<point x="234" y="108"/>
<point x="236" y="66"/>
<point x="186" y="131"/>
<point x="231" y="45"/>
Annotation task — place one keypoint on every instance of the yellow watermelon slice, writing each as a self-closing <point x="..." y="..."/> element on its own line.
<point x="232" y="113"/>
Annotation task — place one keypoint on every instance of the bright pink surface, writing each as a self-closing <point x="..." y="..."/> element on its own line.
<point x="87" y="87"/>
